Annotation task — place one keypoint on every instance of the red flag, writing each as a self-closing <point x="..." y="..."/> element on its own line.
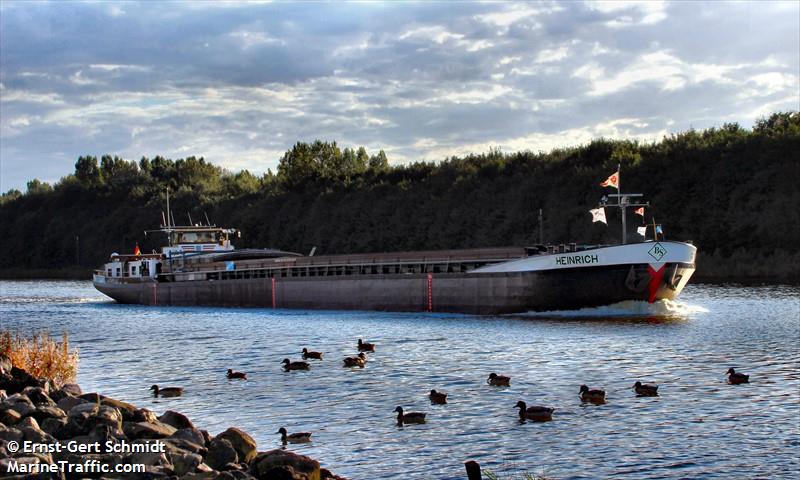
<point x="639" y="211"/>
<point x="612" y="181"/>
<point x="136" y="250"/>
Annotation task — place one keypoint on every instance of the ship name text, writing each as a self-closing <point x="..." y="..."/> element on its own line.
<point x="577" y="260"/>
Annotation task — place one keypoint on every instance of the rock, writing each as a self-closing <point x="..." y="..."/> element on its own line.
<point x="144" y="415"/>
<point x="38" y="396"/>
<point x="3" y="395"/>
<point x="91" y="397"/>
<point x="42" y="413"/>
<point x="326" y="474"/>
<point x="29" y="422"/>
<point x="183" y="463"/>
<point x="243" y="443"/>
<point x="55" y="427"/>
<point x="207" y="436"/>
<point x="175" y="419"/>
<point x="149" y="459"/>
<point x="68" y="402"/>
<point x="180" y="445"/>
<point x="107" y="416"/>
<point x="191" y="434"/>
<point x="136" y="430"/>
<point x="5" y="364"/>
<point x="79" y="418"/>
<point x="282" y="472"/>
<point x="25" y="379"/>
<point x="127" y="410"/>
<point x="11" y="435"/>
<point x="264" y="465"/>
<point x="72" y="388"/>
<point x="9" y="417"/>
<point x="220" y="453"/>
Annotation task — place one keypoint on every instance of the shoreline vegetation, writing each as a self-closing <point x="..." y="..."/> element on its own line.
<point x="730" y="190"/>
<point x="52" y="412"/>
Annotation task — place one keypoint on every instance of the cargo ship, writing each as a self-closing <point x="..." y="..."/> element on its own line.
<point x="199" y="266"/>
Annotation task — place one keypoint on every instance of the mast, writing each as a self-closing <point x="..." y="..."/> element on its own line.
<point x="623" y="202"/>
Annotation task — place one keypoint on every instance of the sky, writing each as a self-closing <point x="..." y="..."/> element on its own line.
<point x="239" y="83"/>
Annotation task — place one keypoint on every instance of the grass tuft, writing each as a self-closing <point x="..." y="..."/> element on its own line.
<point x="41" y="355"/>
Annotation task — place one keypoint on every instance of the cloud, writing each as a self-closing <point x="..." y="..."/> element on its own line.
<point x="241" y="82"/>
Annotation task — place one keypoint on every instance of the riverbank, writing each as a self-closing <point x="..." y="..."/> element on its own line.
<point x="120" y="440"/>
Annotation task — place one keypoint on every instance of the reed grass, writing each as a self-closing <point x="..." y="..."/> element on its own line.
<point x="41" y="355"/>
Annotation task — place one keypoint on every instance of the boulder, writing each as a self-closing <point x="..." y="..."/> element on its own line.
<point x="137" y="430"/>
<point x="220" y="453"/>
<point x="243" y="443"/>
<point x="80" y="418"/>
<point x="68" y="402"/>
<point x="264" y="465"/>
<point x="91" y="397"/>
<point x="38" y="396"/>
<point x="127" y="410"/>
<point x="41" y="413"/>
<point x="11" y="435"/>
<point x="183" y="463"/>
<point x="9" y="417"/>
<point x="144" y="415"/>
<point x="175" y="419"/>
<point x="191" y="434"/>
<point x="55" y="427"/>
<point x="5" y="364"/>
<point x="107" y="416"/>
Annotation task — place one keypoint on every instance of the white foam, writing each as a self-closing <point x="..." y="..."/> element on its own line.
<point x="628" y="308"/>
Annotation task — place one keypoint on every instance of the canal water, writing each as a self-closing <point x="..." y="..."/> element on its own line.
<point x="698" y="427"/>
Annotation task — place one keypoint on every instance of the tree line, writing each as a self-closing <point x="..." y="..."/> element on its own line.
<point x="730" y="190"/>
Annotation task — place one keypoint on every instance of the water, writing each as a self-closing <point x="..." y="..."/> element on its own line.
<point x="698" y="427"/>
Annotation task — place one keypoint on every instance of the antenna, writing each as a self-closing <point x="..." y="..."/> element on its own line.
<point x="163" y="219"/>
<point x="313" y="251"/>
<point x="173" y="218"/>
<point x="190" y="218"/>
<point x="169" y="214"/>
<point x="208" y="223"/>
<point x="541" y="232"/>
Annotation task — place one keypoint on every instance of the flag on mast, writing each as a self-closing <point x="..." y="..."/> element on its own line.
<point x="641" y="231"/>
<point x="639" y="211"/>
<point x="136" y="250"/>
<point x="598" y="215"/>
<point x="612" y="181"/>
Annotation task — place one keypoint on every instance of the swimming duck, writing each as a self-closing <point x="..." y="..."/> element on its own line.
<point x="289" y="365"/>
<point x="365" y="347"/>
<point x="438" y="397"/>
<point x="298" y="437"/>
<point x="167" y="391"/>
<point x="411" y="417"/>
<point x="498" y="380"/>
<point x="537" y="413"/>
<point x="307" y="354"/>
<point x="735" y="378"/>
<point x="594" y="396"/>
<point x="233" y="375"/>
<point x="358" y="361"/>
<point x="645" y="389"/>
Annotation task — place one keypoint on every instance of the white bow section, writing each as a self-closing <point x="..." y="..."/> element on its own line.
<point x="655" y="254"/>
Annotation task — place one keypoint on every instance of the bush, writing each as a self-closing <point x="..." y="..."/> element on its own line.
<point x="40" y="355"/>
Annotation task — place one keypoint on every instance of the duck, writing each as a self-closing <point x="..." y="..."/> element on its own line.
<point x="439" y="398"/>
<point x="297" y="437"/>
<point x="289" y="365"/>
<point x="536" y="412"/>
<point x="498" y="380"/>
<point x="410" y="417"/>
<point x="736" y="378"/>
<point x="645" y="389"/>
<point x="358" y="361"/>
<point x="233" y="375"/>
<point x="167" y="391"/>
<point x="365" y="347"/>
<point x="307" y="354"/>
<point x="594" y="396"/>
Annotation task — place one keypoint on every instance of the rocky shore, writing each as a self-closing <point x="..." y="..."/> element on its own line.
<point x="88" y="435"/>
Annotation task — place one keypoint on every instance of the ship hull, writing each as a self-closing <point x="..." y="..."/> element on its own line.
<point x="488" y="293"/>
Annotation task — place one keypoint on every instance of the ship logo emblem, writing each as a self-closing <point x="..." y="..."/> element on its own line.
<point x="657" y="252"/>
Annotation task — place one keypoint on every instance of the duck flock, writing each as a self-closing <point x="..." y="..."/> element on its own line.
<point x="536" y="413"/>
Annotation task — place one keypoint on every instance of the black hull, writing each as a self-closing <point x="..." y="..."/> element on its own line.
<point x="484" y="294"/>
